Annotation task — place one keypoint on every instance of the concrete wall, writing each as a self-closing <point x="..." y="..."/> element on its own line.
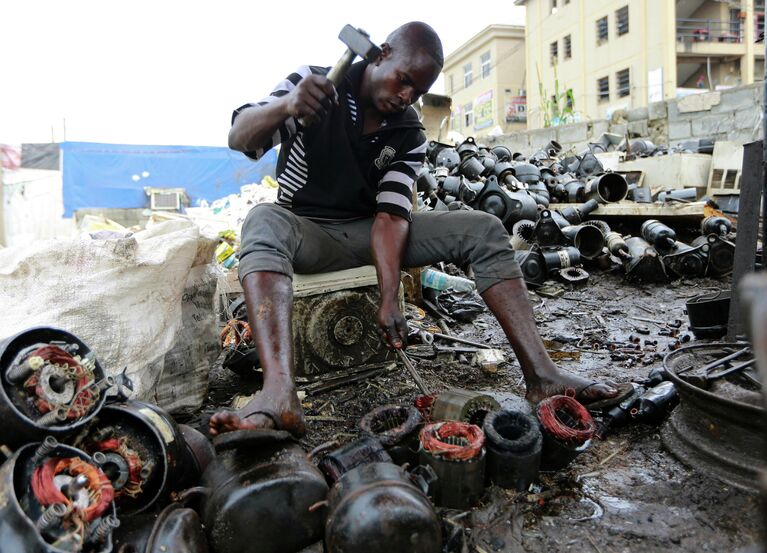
<point x="734" y="114"/>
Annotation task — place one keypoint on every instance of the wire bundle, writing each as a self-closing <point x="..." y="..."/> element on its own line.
<point x="133" y="487"/>
<point x="100" y="491"/>
<point x="453" y="441"/>
<point x="85" y="394"/>
<point x="565" y="419"/>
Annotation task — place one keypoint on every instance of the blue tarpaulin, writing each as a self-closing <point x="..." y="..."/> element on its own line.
<point x="115" y="175"/>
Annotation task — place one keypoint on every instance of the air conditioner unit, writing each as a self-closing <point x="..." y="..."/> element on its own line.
<point x="166" y="199"/>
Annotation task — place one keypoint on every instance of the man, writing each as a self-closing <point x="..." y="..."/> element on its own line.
<point x="345" y="201"/>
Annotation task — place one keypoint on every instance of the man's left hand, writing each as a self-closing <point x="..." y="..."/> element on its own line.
<point x="392" y="325"/>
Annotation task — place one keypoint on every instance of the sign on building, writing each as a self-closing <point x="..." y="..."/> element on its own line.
<point x="516" y="109"/>
<point x="483" y="110"/>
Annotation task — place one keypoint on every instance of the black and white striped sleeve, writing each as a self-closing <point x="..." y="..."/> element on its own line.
<point x="395" y="190"/>
<point x="288" y="127"/>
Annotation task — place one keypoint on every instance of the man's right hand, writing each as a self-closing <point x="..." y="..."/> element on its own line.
<point x="312" y="97"/>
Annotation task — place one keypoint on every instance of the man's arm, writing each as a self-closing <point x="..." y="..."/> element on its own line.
<point x="388" y="239"/>
<point x="255" y="126"/>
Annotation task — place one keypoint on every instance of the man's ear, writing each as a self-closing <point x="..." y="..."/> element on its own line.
<point x="385" y="51"/>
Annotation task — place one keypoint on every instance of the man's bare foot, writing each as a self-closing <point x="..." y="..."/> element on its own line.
<point x="279" y="410"/>
<point x="586" y="390"/>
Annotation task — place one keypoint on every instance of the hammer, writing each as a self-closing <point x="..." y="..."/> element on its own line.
<point x="359" y="43"/>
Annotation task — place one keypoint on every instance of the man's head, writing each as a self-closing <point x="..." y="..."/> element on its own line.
<point x="410" y="61"/>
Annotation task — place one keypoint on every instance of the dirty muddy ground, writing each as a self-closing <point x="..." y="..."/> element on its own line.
<point x="625" y="493"/>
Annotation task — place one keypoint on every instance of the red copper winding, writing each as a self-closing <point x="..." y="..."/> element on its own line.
<point x="47" y="493"/>
<point x="565" y="419"/>
<point x="467" y="440"/>
<point x="424" y="404"/>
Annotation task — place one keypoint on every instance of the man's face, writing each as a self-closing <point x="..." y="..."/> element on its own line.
<point x="399" y="79"/>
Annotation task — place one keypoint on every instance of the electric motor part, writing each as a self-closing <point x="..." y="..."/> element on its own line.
<point x="359" y="452"/>
<point x="721" y="254"/>
<point x="396" y="428"/>
<point x="642" y="147"/>
<point x="459" y="188"/>
<point x="51" y="385"/>
<point x="643" y="264"/>
<point x="145" y="454"/>
<point x="448" y="158"/>
<point x="527" y="173"/>
<point x="176" y="528"/>
<point x="522" y="235"/>
<point x="567" y="429"/>
<point x="601" y="225"/>
<point x="588" y="239"/>
<point x="377" y="508"/>
<point x="575" y="215"/>
<point x="433" y="148"/>
<point x="540" y="193"/>
<point x="661" y="236"/>
<point x="53" y="498"/>
<point x="607" y="188"/>
<point x="504" y="174"/>
<point x="471" y="168"/>
<point x="547" y="232"/>
<point x="686" y="261"/>
<point x="502" y="153"/>
<point x="683" y="195"/>
<point x="714" y="224"/>
<point x="455" y="452"/>
<point x="616" y="245"/>
<point x="573" y="275"/>
<point x="513" y="440"/>
<point x="457" y="404"/>
<point x="587" y="165"/>
<point x="560" y="258"/>
<point x="262" y="495"/>
<point x="426" y="181"/>
<point x="533" y="267"/>
<point x="467" y="148"/>
<point x="509" y="207"/>
<point x="575" y="191"/>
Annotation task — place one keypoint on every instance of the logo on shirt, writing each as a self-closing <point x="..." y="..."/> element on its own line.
<point x="387" y="154"/>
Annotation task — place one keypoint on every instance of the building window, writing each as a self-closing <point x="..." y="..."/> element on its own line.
<point x="485" y="64"/>
<point x="601" y="30"/>
<point x="622" y="20"/>
<point x="467" y="75"/>
<point x="468" y="115"/>
<point x="553" y="8"/>
<point x="603" y="89"/>
<point x="624" y="85"/>
<point x="554" y="52"/>
<point x="567" y="46"/>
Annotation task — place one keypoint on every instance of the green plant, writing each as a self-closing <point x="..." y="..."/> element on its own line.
<point x="559" y="109"/>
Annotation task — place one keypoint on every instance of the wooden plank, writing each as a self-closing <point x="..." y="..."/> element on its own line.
<point x="748" y="228"/>
<point x="321" y="283"/>
<point x="648" y="211"/>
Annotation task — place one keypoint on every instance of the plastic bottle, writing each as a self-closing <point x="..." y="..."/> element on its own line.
<point x="441" y="281"/>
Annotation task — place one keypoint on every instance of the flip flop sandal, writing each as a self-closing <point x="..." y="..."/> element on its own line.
<point x="625" y="390"/>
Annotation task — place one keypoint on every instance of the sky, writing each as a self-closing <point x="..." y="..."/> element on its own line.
<point x="167" y="72"/>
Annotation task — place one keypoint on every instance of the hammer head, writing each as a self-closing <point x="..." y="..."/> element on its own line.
<point x="359" y="42"/>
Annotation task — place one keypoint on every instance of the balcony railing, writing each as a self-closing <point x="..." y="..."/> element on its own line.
<point x="709" y="30"/>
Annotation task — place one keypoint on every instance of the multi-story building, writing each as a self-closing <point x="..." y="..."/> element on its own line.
<point x="623" y="54"/>
<point x="485" y="78"/>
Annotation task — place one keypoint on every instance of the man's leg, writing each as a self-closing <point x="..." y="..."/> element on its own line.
<point x="479" y="239"/>
<point x="275" y="240"/>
